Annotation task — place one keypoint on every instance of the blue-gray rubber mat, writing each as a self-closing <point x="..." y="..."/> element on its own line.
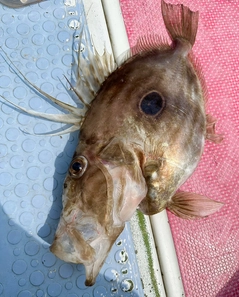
<point x="38" y="39"/>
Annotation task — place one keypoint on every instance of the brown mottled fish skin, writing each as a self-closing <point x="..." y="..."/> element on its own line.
<point x="129" y="156"/>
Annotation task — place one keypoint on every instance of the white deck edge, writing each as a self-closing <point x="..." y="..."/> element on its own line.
<point x="167" y="255"/>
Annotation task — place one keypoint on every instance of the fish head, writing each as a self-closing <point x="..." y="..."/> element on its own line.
<point x="99" y="195"/>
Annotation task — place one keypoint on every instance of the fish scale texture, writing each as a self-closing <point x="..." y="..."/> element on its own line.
<point x="39" y="40"/>
<point x="207" y="249"/>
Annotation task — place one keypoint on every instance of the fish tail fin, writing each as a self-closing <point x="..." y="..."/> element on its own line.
<point x="180" y="22"/>
<point x="190" y="205"/>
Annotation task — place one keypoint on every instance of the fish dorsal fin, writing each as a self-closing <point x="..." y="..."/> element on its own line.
<point x="90" y="69"/>
<point x="191" y="205"/>
<point x="180" y="21"/>
<point x="148" y="43"/>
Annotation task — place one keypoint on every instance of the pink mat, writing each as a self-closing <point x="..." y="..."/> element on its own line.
<point x="207" y="249"/>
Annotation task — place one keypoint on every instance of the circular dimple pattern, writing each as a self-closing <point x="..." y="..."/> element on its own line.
<point x="53" y="49"/>
<point x="80" y="282"/>
<point x="12" y="134"/>
<point x="7" y="19"/>
<point x="31" y="248"/>
<point x="14" y="236"/>
<point x="50" y="183"/>
<point x="9" y="207"/>
<point x="36" y="278"/>
<point x="51" y="274"/>
<point x="33" y="172"/>
<point x="23" y="29"/>
<point x="26" y="218"/>
<point x="63" y="36"/>
<point x="25" y="293"/>
<point x="29" y="145"/>
<point x="67" y="60"/>
<point x="49" y="26"/>
<point x="5" y="81"/>
<point x="17" y="251"/>
<point x="38" y="39"/>
<point x="11" y="43"/>
<point x="68" y="286"/>
<point x="5" y="178"/>
<point x="19" y="267"/>
<point x="20" y="92"/>
<point x="16" y="162"/>
<point x="34" y="16"/>
<point x="111" y="274"/>
<point x="23" y="119"/>
<point x="66" y="271"/>
<point x="42" y="63"/>
<point x="54" y="290"/>
<point x="40" y="293"/>
<point x="22" y="282"/>
<point x="45" y="156"/>
<point x="48" y="259"/>
<point x="38" y="201"/>
<point x="59" y="13"/>
<point x="3" y="150"/>
<point x="127" y="285"/>
<point x="100" y="291"/>
<point x="121" y="256"/>
<point x="21" y="190"/>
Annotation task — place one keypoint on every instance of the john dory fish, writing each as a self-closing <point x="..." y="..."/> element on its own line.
<point x="140" y="139"/>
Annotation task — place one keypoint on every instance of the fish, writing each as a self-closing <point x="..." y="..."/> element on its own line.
<point x="141" y="139"/>
<point x="19" y="3"/>
<point x="142" y="134"/>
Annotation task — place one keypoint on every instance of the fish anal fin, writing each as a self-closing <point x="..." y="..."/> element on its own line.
<point x="191" y="205"/>
<point x="180" y="21"/>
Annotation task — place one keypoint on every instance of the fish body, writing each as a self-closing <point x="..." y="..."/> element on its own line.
<point x="141" y="138"/>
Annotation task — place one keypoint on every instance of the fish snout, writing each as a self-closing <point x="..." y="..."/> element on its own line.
<point x="85" y="241"/>
<point x="70" y="246"/>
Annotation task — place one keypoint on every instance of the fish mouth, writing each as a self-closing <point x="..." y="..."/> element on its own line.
<point x="84" y="244"/>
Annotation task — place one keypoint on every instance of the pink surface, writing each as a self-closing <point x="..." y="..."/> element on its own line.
<point x="208" y="249"/>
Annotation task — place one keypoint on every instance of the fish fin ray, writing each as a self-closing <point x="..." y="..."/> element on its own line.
<point x="149" y="43"/>
<point x="180" y="21"/>
<point x="57" y="133"/>
<point x="210" y="130"/>
<point x="91" y="71"/>
<point x="191" y="205"/>
<point x="65" y="106"/>
<point x="62" y="118"/>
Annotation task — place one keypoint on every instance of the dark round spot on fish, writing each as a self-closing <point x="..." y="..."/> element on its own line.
<point x="78" y="166"/>
<point x="152" y="103"/>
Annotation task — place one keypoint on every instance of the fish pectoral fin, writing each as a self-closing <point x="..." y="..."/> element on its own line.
<point x="191" y="205"/>
<point x="181" y="23"/>
<point x="210" y="130"/>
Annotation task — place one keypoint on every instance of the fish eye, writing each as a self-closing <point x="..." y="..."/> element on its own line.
<point x="78" y="166"/>
<point x="152" y="103"/>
